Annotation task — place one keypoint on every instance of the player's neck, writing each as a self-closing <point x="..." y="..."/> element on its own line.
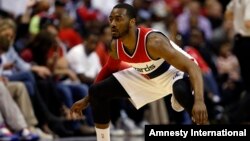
<point x="129" y="41"/>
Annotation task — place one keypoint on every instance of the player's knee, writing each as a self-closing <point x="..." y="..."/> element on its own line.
<point x="183" y="93"/>
<point x="95" y="94"/>
<point x="92" y="93"/>
<point x="179" y="89"/>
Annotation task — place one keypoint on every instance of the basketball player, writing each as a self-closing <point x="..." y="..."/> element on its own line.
<point x="158" y="68"/>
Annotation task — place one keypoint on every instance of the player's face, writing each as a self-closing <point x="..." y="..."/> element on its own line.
<point x="119" y="22"/>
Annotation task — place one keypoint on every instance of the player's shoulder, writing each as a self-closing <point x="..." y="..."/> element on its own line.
<point x="155" y="39"/>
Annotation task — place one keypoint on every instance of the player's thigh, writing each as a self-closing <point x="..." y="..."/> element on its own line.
<point x="109" y="87"/>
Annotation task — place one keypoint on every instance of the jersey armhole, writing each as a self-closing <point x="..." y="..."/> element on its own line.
<point x="146" y="40"/>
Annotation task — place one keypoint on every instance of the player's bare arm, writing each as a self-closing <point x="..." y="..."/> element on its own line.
<point x="159" y="46"/>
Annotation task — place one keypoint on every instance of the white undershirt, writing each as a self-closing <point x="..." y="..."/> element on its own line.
<point x="80" y="62"/>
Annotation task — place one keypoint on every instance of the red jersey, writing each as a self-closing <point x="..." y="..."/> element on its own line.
<point x="140" y="59"/>
<point x="140" y="54"/>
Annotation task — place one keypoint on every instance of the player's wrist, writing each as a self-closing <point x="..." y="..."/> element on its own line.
<point x="86" y="100"/>
<point x="198" y="99"/>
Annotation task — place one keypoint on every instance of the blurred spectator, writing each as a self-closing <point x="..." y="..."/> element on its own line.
<point x="21" y="97"/>
<point x="46" y="52"/>
<point x="5" y="133"/>
<point x="59" y="12"/>
<point x="88" y="17"/>
<point x="159" y="9"/>
<point x="84" y="61"/>
<point x="15" y="8"/>
<point x="222" y="33"/>
<point x="213" y="11"/>
<point x="8" y="108"/>
<point x="104" y="43"/>
<point x="193" y="12"/>
<point x="22" y="29"/>
<point x="227" y="62"/>
<point x="238" y="13"/>
<point x="13" y="117"/>
<point x="203" y="47"/>
<point x="87" y="12"/>
<point x="104" y="7"/>
<point x="169" y="27"/>
<point x="21" y="71"/>
<point x="176" y="6"/>
<point x="229" y="74"/>
<point x="144" y="10"/>
<point x="39" y="16"/>
<point x="71" y="6"/>
<point x="13" y="66"/>
<point x="68" y="35"/>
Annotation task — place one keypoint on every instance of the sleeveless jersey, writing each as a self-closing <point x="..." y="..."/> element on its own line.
<point x="139" y="60"/>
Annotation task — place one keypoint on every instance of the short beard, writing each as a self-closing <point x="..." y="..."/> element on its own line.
<point x="122" y="34"/>
<point x="115" y="37"/>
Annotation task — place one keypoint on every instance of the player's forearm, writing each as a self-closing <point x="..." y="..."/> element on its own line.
<point x="110" y="67"/>
<point x="196" y="80"/>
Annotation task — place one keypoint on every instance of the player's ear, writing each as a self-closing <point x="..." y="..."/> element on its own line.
<point x="132" y="21"/>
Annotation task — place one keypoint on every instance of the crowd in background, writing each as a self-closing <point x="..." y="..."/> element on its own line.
<point x="52" y="50"/>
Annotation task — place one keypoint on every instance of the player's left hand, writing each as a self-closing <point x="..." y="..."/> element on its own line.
<point x="77" y="108"/>
<point x="199" y="113"/>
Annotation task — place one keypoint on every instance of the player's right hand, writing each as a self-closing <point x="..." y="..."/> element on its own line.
<point x="78" y="107"/>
